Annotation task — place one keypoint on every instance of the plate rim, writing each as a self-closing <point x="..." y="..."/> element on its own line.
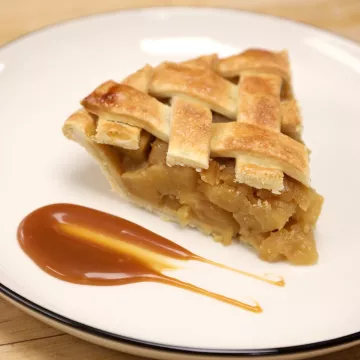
<point x="258" y="353"/>
<point x="287" y="350"/>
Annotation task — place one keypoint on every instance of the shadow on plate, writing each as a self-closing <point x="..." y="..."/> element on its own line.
<point x="87" y="175"/>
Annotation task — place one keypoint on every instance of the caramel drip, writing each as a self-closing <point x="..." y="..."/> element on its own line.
<point x="267" y="278"/>
<point x="151" y="260"/>
<point x="86" y="246"/>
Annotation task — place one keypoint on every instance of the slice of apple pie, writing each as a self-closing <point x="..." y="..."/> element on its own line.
<point x="210" y="143"/>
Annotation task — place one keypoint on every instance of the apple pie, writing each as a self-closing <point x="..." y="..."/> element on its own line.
<point x="212" y="143"/>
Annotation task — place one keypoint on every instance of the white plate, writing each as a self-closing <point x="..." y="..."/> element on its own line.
<point x="42" y="78"/>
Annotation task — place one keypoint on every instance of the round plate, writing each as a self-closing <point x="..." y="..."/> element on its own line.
<point x="42" y="78"/>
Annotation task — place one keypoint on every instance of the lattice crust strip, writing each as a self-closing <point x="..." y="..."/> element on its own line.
<point x="259" y="104"/>
<point x="190" y="134"/>
<point x="264" y="129"/>
<point x="121" y="134"/>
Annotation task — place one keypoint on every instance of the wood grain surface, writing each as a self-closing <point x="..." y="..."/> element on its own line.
<point x="21" y="336"/>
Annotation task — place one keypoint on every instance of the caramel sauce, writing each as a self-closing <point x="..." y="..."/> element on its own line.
<point x="86" y="246"/>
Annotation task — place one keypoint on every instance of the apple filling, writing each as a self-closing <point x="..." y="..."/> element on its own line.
<point x="277" y="226"/>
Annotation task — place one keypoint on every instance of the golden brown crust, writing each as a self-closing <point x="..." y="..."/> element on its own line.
<point x="80" y="121"/>
<point x="117" y="134"/>
<point x="258" y="176"/>
<point x="124" y="109"/>
<point x="104" y="88"/>
<point x="121" y="135"/>
<point x="125" y="104"/>
<point x="259" y="105"/>
<point x="140" y="80"/>
<point x="190" y="134"/>
<point x="259" y="100"/>
<point x="291" y="123"/>
<point x="201" y="84"/>
<point x="261" y="61"/>
<point x="270" y="149"/>
<point x="204" y="61"/>
<point x="257" y="60"/>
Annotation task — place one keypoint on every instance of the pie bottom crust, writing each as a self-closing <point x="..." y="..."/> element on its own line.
<point x="278" y="227"/>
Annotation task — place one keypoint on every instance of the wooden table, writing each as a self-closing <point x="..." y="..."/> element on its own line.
<point x="22" y="337"/>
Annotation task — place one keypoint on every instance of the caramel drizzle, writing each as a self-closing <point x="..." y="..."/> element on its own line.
<point x="85" y="246"/>
<point x="148" y="258"/>
<point x="266" y="278"/>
